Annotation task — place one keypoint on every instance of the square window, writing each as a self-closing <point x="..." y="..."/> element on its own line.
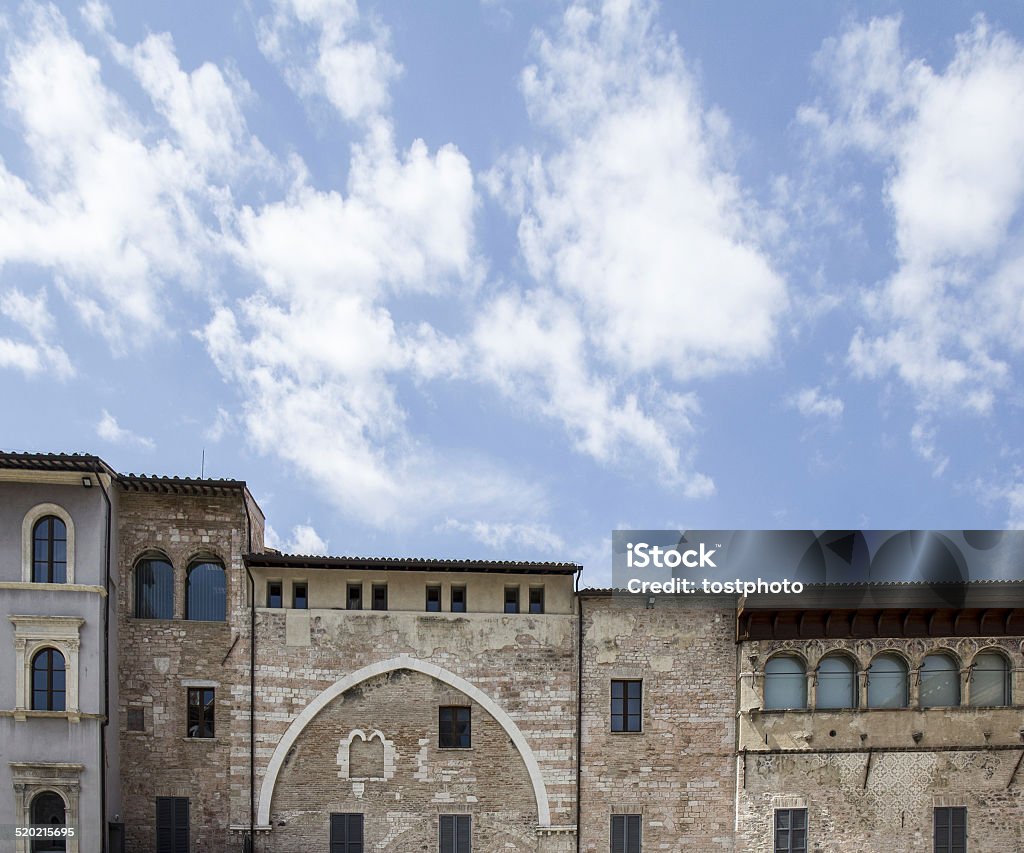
<point x="455" y="833"/>
<point x="950" y="825"/>
<point x="434" y="599"/>
<point x="458" y="599"/>
<point x="346" y="833"/>
<point x="300" y="596"/>
<point x="355" y="596"/>
<point x="791" y="831"/>
<point x="136" y="719"/>
<point x="200" y="712"/>
<point x="453" y="727"/>
<point x="380" y="596"/>
<point x="625" y="834"/>
<point x="627" y="697"/>
<point x="275" y="598"/>
<point x="511" y="599"/>
<point x="536" y="599"/>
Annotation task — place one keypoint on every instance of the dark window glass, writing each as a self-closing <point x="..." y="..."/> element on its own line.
<point x="453" y="727"/>
<point x="380" y="596"/>
<point x="511" y="599"/>
<point x="300" y="596"/>
<point x="206" y="593"/>
<point x="625" y="835"/>
<point x="785" y="683"/>
<point x="200" y="712"/>
<point x="626" y="705"/>
<point x="455" y="832"/>
<point x="950" y="830"/>
<point x="536" y="599"/>
<point x="791" y="831"/>
<point x="990" y="680"/>
<point x="939" y="682"/>
<point x="47" y="809"/>
<point x="172" y="825"/>
<point x="48" y="681"/>
<point x="154" y="589"/>
<point x="433" y="599"/>
<point x="136" y="719"/>
<point x="346" y="833"/>
<point x="275" y="594"/>
<point x="458" y="599"/>
<point x="887" y="682"/>
<point x="50" y="551"/>
<point x="837" y="683"/>
<point x="355" y="596"/>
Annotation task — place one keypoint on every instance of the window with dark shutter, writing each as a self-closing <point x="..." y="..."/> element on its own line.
<point x="625" y="835"/>
<point x="951" y="830"/>
<point x="455" y="832"/>
<point x="346" y="833"/>
<point x="791" y="831"/>
<point x="172" y="825"/>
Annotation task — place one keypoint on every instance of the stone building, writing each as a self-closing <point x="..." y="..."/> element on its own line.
<point x="283" y="703"/>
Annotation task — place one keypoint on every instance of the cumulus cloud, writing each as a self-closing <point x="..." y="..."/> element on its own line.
<point x="951" y="141"/>
<point x="506" y="536"/>
<point x="922" y="439"/>
<point x="814" y="403"/>
<point x="38" y="353"/>
<point x="110" y="430"/>
<point x="643" y="244"/>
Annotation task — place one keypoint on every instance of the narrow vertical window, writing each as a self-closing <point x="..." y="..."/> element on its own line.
<point x="355" y="596"/>
<point x="626" y="705"/>
<point x="791" y="831"/>
<point x="458" y="599"/>
<point x="48" y="681"/>
<point x="626" y="833"/>
<point x="511" y="599"/>
<point x="49" y="551"/>
<point x="455" y="833"/>
<point x="536" y="599"/>
<point x="206" y="592"/>
<point x="454" y="727"/>
<point x="172" y="830"/>
<point x="48" y="810"/>
<point x="785" y="683"/>
<point x="434" y="598"/>
<point x="837" y="683"/>
<point x="380" y="596"/>
<point x="940" y="682"/>
<point x="200" y="712"/>
<point x="990" y="680"/>
<point x="887" y="682"/>
<point x="154" y="589"/>
<point x="346" y="833"/>
<point x="275" y="597"/>
<point x="950" y="825"/>
<point x="300" y="596"/>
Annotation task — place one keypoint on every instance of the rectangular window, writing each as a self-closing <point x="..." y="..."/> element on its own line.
<point x="791" y="831"/>
<point x="951" y="830"/>
<point x="536" y="599"/>
<point x="625" y="833"/>
<point x="455" y="832"/>
<point x="453" y="727"/>
<point x="275" y="598"/>
<point x="433" y="599"/>
<point x="380" y="596"/>
<point x="626" y="705"/>
<point x="346" y="833"/>
<point x="458" y="599"/>
<point x="355" y="596"/>
<point x="200" y="712"/>
<point x="172" y="825"/>
<point x="136" y="719"/>
<point x="300" y="596"/>
<point x="511" y="599"/>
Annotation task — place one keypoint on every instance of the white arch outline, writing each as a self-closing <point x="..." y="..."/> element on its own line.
<point x="434" y="671"/>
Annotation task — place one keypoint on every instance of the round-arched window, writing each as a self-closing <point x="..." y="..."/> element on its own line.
<point x="206" y="592"/>
<point x="887" y="682"/>
<point x="940" y="682"/>
<point x="154" y="589"/>
<point x="47" y="809"/>
<point x="49" y="688"/>
<point x="990" y="680"/>
<point x="49" y="551"/>
<point x="837" y="683"/>
<point x="785" y="683"/>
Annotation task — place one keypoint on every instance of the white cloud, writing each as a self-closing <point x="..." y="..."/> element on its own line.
<point x="952" y="143"/>
<point x="110" y="430"/>
<point x="223" y="424"/>
<point x="507" y="536"/>
<point x="349" y="62"/>
<point x="1015" y="501"/>
<point x="922" y="439"/>
<point x="812" y="402"/>
<point x="305" y="540"/>
<point x="41" y="353"/>
<point x="644" y="246"/>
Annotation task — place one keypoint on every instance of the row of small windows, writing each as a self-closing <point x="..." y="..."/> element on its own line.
<point x="205" y="590"/>
<point x="888" y="682"/>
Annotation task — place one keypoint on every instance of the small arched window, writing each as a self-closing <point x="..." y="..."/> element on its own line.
<point x="990" y="680"/>
<point x="154" y="589"/>
<point x="887" y="682"/>
<point x="49" y="550"/>
<point x="785" y="683"/>
<point x="206" y="592"/>
<point x="48" y="810"/>
<point x="837" y="683"/>
<point x="49" y="688"/>
<point x="940" y="682"/>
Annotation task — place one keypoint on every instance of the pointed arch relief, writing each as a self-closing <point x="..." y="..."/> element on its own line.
<point x="413" y="665"/>
<point x="366" y="758"/>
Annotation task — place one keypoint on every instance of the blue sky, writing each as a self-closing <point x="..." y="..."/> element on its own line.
<point x="492" y="279"/>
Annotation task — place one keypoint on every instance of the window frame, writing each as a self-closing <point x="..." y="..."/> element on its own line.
<point x="49" y="692"/>
<point x="536" y="607"/>
<point x="949" y="844"/>
<point x="354" y="602"/>
<point x="296" y="586"/>
<point x="449" y="733"/>
<point x="28" y="524"/>
<point x="511" y="599"/>
<point x="463" y="606"/>
<point x="624" y="718"/>
<point x="50" y="539"/>
<point x="280" y="595"/>
<point x="205" y="713"/>
<point x="888" y="654"/>
<point x="790" y="828"/>
<point x="934" y="675"/>
<point x="435" y="588"/>
<point x="149" y="558"/>
<point x="33" y="634"/>
<point x="457" y="821"/>
<point x="380" y="589"/>
<point x="626" y="822"/>
<point x="854" y="697"/>
<point x="779" y="684"/>
<point x="1007" y="678"/>
<point x="204" y="562"/>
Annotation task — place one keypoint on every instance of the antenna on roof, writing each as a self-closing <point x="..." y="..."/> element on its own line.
<point x="202" y="467"/>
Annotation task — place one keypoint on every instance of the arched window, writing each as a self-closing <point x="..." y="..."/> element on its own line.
<point x="206" y="592"/>
<point x="49" y="551"/>
<point x="887" y="682"/>
<point x="837" y="683"/>
<point x="940" y="682"/>
<point x="990" y="680"/>
<point x="785" y="683"/>
<point x="48" y="681"/>
<point x="48" y="810"/>
<point x="154" y="589"/>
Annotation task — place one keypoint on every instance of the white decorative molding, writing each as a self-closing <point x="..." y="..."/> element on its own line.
<point x="31" y="779"/>
<point x="387" y="766"/>
<point x="414" y="665"/>
<point x="32" y="634"/>
<point x="31" y="517"/>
